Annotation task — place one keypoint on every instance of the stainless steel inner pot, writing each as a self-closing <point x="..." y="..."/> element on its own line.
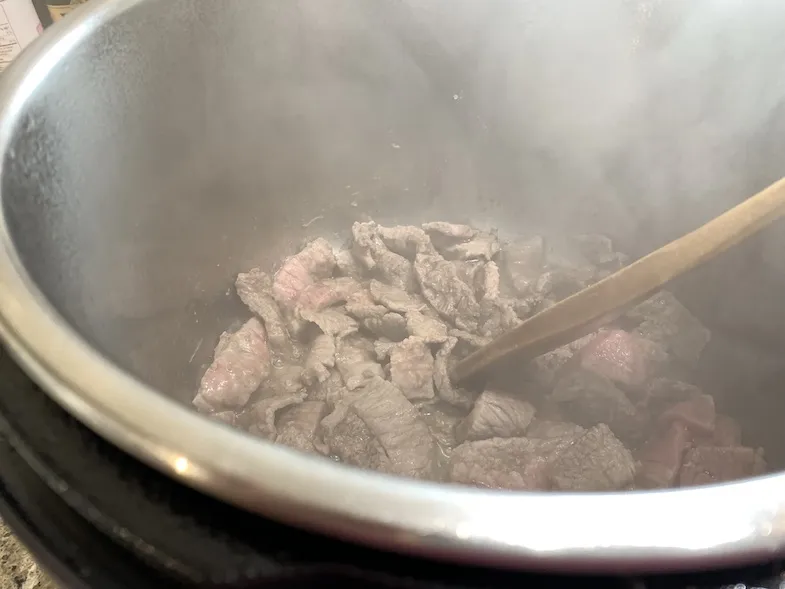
<point x="151" y="149"/>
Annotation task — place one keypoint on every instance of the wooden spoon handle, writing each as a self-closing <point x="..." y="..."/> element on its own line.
<point x="587" y="310"/>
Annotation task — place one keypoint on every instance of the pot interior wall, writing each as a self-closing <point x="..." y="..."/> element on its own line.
<point x="185" y="142"/>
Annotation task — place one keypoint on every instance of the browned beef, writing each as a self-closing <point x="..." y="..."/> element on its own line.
<point x="521" y="263"/>
<point x="448" y="294"/>
<point x="623" y="357"/>
<point x="240" y="364"/>
<point x="264" y="413"/>
<point x="489" y="283"/>
<point x="321" y="358"/>
<point x="227" y="417"/>
<point x="504" y="463"/>
<point x="662" y="393"/>
<point x="254" y="289"/>
<point x="547" y="369"/>
<point x="298" y="427"/>
<point x="444" y="235"/>
<point x="284" y="378"/>
<point x="596" y="461"/>
<point x="383" y="348"/>
<point x="333" y="321"/>
<point x="588" y="398"/>
<point x="496" y="415"/>
<point x="430" y="329"/>
<point x="362" y="306"/>
<point x="498" y="316"/>
<point x="347" y="265"/>
<point x="391" y="326"/>
<point x="316" y="261"/>
<point x="409" y="448"/>
<point x="355" y="360"/>
<point x="326" y="293"/>
<point x="442" y="420"/>
<point x="665" y="321"/>
<point x="483" y="246"/>
<point x="369" y="249"/>
<point x="332" y="390"/>
<point x="441" y="378"/>
<point x="661" y="457"/>
<point x="705" y="464"/>
<point x="697" y="414"/>
<point x="394" y="298"/>
<point x="411" y="369"/>
<point x="349" y="439"/>
<point x="405" y="240"/>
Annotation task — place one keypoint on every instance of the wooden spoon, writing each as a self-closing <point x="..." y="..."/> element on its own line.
<point x="587" y="310"/>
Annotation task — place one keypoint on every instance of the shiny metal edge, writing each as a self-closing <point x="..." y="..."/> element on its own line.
<point x="719" y="525"/>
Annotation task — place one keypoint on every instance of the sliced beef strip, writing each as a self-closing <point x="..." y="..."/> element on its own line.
<point x="441" y="378"/>
<point x="444" y="235"/>
<point x="483" y="246"/>
<point x="411" y="369"/>
<point x="521" y="264"/>
<point x="347" y="265"/>
<point x="326" y="293"/>
<point x="442" y="421"/>
<point x="383" y="348"/>
<point x="469" y="271"/>
<point x="697" y="414"/>
<point x="498" y="316"/>
<point x="321" y="358"/>
<point x="391" y="326"/>
<point x="405" y="240"/>
<point x="430" y="329"/>
<point x="332" y="390"/>
<point x="623" y="357"/>
<point x="661" y="393"/>
<point x="333" y="321"/>
<point x="490" y="282"/>
<point x="253" y="288"/>
<point x="354" y="358"/>
<point x="284" y="379"/>
<point x="596" y="461"/>
<point x="588" y="398"/>
<point x="661" y="457"/>
<point x="362" y="306"/>
<point x="408" y="445"/>
<point x="546" y="429"/>
<point x="704" y="465"/>
<point x="565" y="273"/>
<point x="298" y="427"/>
<point x="240" y="364"/>
<point x="394" y="298"/>
<point x="349" y="439"/>
<point x="505" y="463"/>
<point x="365" y="238"/>
<point x="264" y="413"/>
<point x="665" y="321"/>
<point x="547" y="368"/>
<point x="316" y="261"/>
<point x="449" y="295"/>
<point x="369" y="249"/>
<point x="496" y="415"/>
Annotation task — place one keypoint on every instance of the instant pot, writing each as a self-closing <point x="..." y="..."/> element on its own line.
<point x="151" y="149"/>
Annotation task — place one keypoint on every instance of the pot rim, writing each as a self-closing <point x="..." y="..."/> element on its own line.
<point x="648" y="531"/>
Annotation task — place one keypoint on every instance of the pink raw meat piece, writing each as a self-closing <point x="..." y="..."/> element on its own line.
<point x="622" y="357"/>
<point x="316" y="261"/>
<point x="697" y="414"/>
<point x="705" y="465"/>
<point x="241" y="363"/>
<point x="662" y="456"/>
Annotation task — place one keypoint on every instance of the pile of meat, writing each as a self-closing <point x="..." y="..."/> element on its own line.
<point x="348" y="353"/>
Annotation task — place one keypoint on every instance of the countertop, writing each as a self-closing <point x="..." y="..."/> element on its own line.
<point x="18" y="570"/>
